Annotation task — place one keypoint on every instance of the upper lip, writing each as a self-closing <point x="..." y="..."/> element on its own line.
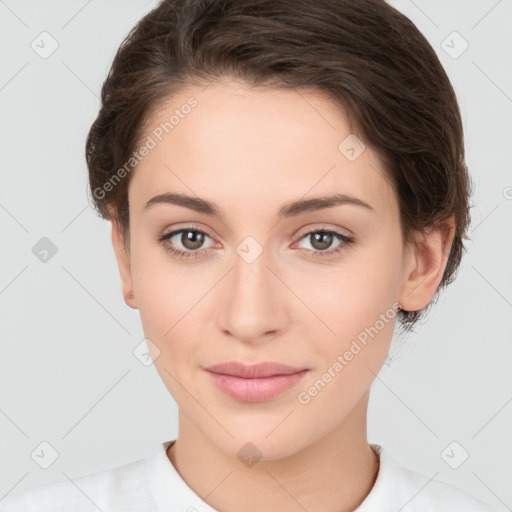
<point x="253" y="371"/>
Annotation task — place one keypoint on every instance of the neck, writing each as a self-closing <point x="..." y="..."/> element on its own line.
<point x="334" y="473"/>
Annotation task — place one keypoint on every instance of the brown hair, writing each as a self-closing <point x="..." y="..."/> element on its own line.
<point x="366" y="56"/>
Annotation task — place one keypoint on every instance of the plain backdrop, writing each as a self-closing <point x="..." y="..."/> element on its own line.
<point x="68" y="374"/>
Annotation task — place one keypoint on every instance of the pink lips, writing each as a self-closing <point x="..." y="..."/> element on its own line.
<point x="254" y="383"/>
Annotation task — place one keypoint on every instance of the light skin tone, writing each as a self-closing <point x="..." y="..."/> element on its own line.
<point x="252" y="152"/>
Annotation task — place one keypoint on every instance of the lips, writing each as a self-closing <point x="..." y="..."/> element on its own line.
<point x="254" y="383"/>
<point x="255" y="371"/>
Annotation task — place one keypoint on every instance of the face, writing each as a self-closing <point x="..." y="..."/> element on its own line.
<point x="315" y="288"/>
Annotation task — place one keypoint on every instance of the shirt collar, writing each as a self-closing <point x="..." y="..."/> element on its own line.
<point x="169" y="489"/>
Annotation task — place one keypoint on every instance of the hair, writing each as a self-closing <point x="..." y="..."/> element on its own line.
<point x="365" y="56"/>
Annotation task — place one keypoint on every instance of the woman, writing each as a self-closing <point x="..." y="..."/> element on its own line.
<point x="284" y="180"/>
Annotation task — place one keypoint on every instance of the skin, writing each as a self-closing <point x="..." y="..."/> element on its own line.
<point x="252" y="151"/>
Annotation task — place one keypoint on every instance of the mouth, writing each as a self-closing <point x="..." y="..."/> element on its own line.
<point x="254" y="383"/>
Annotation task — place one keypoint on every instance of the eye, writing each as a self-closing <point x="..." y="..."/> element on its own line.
<point x="322" y="239"/>
<point x="189" y="238"/>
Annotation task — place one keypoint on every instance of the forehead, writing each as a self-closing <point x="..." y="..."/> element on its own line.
<point x="232" y="143"/>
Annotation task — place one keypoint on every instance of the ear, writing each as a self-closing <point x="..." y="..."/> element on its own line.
<point x="123" y="262"/>
<point x="425" y="265"/>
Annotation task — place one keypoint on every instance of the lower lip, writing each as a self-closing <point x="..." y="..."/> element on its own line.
<point x="256" y="390"/>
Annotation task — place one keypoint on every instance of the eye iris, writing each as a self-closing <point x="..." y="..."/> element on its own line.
<point x="321" y="241"/>
<point x="192" y="239"/>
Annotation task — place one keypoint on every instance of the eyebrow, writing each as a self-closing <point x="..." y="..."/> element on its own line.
<point x="290" y="209"/>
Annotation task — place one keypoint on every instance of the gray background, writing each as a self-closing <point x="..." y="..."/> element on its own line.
<point x="68" y="375"/>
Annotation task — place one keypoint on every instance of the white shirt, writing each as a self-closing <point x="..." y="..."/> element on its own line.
<point x="153" y="484"/>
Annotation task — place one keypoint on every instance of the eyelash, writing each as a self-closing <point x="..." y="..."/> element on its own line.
<point x="347" y="241"/>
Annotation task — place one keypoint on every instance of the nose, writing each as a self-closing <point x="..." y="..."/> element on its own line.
<point x="251" y="304"/>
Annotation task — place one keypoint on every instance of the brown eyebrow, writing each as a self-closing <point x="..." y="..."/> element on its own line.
<point x="193" y="203"/>
<point x="290" y="209"/>
<point x="319" y="203"/>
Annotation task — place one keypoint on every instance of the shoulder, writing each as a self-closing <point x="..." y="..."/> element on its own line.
<point x="115" y="489"/>
<point x="400" y="487"/>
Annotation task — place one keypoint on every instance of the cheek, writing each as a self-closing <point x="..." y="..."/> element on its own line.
<point x="166" y="296"/>
<point x="358" y="305"/>
<point x="161" y="285"/>
<point x="352" y="295"/>
<point x="362" y="316"/>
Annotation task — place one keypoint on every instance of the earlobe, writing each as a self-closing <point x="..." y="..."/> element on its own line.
<point x="123" y="263"/>
<point x="425" y="265"/>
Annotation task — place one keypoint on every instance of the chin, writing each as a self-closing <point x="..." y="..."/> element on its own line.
<point x="259" y="440"/>
<point x="258" y="448"/>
